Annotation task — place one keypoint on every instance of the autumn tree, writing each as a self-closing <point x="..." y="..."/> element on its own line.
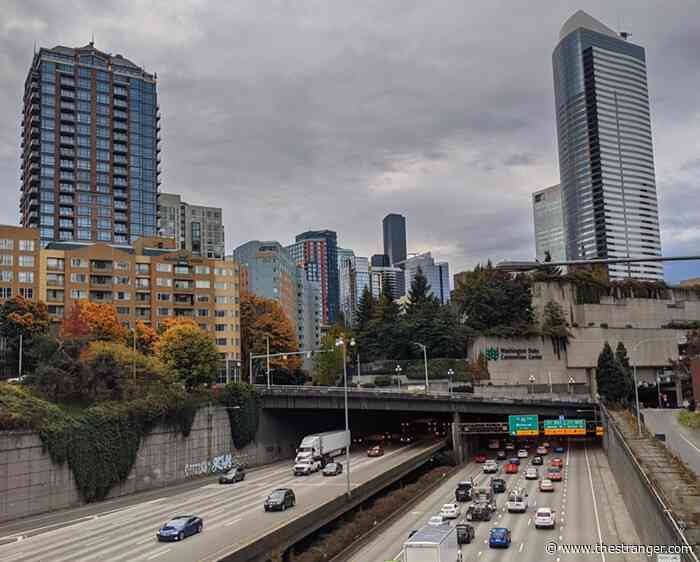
<point x="261" y="319"/>
<point x="93" y="321"/>
<point x="191" y="353"/>
<point x="146" y="338"/>
<point x="328" y="365"/>
<point x="25" y="318"/>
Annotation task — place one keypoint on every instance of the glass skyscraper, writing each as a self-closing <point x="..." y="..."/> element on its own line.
<point x="549" y="224"/>
<point x="606" y="156"/>
<point x="90" y="147"/>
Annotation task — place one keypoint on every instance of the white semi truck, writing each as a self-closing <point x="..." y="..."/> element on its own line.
<point x="432" y="544"/>
<point x="322" y="447"/>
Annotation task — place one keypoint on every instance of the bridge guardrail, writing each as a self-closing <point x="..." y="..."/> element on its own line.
<point x="439" y="394"/>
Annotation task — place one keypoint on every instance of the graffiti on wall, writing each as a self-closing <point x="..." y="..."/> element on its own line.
<point x="217" y="464"/>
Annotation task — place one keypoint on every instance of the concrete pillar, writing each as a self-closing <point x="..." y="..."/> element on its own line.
<point x="457" y="439"/>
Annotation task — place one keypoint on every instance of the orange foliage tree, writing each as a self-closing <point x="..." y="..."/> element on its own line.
<point x="93" y="321"/>
<point x="262" y="317"/>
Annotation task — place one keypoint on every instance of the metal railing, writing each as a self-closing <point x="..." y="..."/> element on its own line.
<point x="432" y="394"/>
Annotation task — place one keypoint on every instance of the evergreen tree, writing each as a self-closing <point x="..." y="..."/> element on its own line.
<point x="624" y="363"/>
<point x="610" y="377"/>
<point x="420" y="298"/>
<point x="364" y="310"/>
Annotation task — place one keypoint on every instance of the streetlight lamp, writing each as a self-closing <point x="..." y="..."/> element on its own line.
<point x="398" y="375"/>
<point x="572" y="382"/>
<point x="340" y="342"/>
<point x="425" y="363"/>
<point x="450" y="374"/>
<point x="532" y="380"/>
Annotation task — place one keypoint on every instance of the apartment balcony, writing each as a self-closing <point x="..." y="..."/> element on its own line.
<point x="34" y="132"/>
<point x="67" y="94"/>
<point x="119" y="148"/>
<point x="119" y="125"/>
<point x="67" y="141"/>
<point x="101" y="266"/>
<point x="67" y="106"/>
<point x="186" y="312"/>
<point x="120" y="194"/>
<point x="101" y="296"/>
<point x="32" y="217"/>
<point x="34" y="106"/>
<point x="67" y="83"/>
<point x="120" y="115"/>
<point x="120" y="94"/>
<point x="33" y="179"/>
<point x="101" y="280"/>
<point x="67" y="117"/>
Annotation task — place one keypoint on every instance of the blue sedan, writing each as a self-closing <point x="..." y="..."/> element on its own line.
<point x="499" y="537"/>
<point x="180" y="527"/>
<point x="559" y="449"/>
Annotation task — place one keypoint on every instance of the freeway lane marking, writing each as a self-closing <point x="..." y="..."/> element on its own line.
<point x="522" y="545"/>
<point x="595" y="503"/>
<point x="157" y="554"/>
<point x="232" y="522"/>
<point x="144" y="541"/>
<point x="688" y="442"/>
<point x="529" y="521"/>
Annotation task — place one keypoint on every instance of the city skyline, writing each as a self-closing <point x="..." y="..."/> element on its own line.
<point x="450" y="181"/>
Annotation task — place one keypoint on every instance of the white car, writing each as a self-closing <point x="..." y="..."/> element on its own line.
<point x="541" y="450"/>
<point x="546" y="485"/>
<point x="305" y="468"/>
<point x="517" y="501"/>
<point x="522" y="454"/>
<point x="544" y="518"/>
<point x="437" y="521"/>
<point x="490" y="467"/>
<point x="450" y="511"/>
<point x="510" y="447"/>
<point x="531" y="473"/>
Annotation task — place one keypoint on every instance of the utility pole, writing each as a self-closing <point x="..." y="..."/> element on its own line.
<point x="268" y="360"/>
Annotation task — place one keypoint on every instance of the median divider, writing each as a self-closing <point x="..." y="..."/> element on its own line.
<point x="363" y="539"/>
<point x="283" y="537"/>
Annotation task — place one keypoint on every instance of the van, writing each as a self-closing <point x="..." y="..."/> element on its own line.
<point x="517" y="501"/>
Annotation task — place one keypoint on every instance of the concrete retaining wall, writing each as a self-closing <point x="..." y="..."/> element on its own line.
<point x="651" y="518"/>
<point x="31" y="484"/>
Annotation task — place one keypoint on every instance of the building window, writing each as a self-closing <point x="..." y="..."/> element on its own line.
<point x="122" y="295"/>
<point x="55" y="263"/>
<point x="221" y="300"/>
<point x="6" y="244"/>
<point x="5" y="292"/>
<point x="143" y="268"/>
<point x="55" y="310"/>
<point x="123" y="310"/>
<point x="26" y="292"/>
<point x="121" y="265"/>
<point x="122" y="280"/>
<point x="202" y="298"/>
<point x="200" y="284"/>
<point x="78" y="294"/>
<point x="78" y="262"/>
<point x="6" y="259"/>
<point x="164" y="282"/>
<point x="220" y="327"/>
<point x="26" y="245"/>
<point x="78" y="277"/>
<point x="202" y="312"/>
<point x="164" y="267"/>
<point x="201" y="270"/>
<point x="143" y="283"/>
<point x="163" y="312"/>
<point x="220" y="313"/>
<point x="54" y="295"/>
<point x="25" y="277"/>
<point x="26" y="261"/>
<point x="55" y="279"/>
<point x="221" y="341"/>
<point x="164" y="297"/>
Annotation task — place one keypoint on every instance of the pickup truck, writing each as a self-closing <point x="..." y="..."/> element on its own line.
<point x="307" y="467"/>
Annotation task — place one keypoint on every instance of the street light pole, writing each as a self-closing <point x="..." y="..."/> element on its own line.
<point x="340" y="342"/>
<point x="450" y="374"/>
<point x="532" y="380"/>
<point x="572" y="381"/>
<point x="267" y="338"/>
<point x="425" y="363"/>
<point x="398" y="376"/>
<point x="20" y="357"/>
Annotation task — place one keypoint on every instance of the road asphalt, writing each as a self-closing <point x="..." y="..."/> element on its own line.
<point x="233" y="516"/>
<point x="587" y="504"/>
<point x="680" y="440"/>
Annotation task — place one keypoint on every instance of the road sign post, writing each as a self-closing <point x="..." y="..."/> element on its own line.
<point x="519" y="426"/>
<point x="564" y="427"/>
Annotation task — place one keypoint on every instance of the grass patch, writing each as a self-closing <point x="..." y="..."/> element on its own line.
<point x="689" y="419"/>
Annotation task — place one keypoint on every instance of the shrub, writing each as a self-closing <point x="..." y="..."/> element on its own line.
<point x="243" y="410"/>
<point x="382" y="380"/>
<point x="368" y="385"/>
<point x="604" y="325"/>
<point x="574" y="324"/>
<point x="689" y="419"/>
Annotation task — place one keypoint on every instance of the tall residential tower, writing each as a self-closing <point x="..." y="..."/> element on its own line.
<point x="549" y="224"/>
<point x="90" y="154"/>
<point x="606" y="158"/>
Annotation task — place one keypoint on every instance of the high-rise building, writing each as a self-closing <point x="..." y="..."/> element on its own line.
<point x="606" y="158"/>
<point x="549" y="224"/>
<point x="316" y="252"/>
<point x="382" y="279"/>
<point x="196" y="228"/>
<point x="90" y="147"/>
<point x="437" y="274"/>
<point x="346" y="282"/>
<point x="361" y="277"/>
<point x="380" y="260"/>
<point x="270" y="273"/>
<point x="394" y="230"/>
<point x="309" y="314"/>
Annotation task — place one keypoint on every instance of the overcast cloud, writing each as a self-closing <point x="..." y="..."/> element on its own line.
<point x="322" y="114"/>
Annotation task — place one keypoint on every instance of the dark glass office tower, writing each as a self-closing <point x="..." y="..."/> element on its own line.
<point x="394" y="227"/>
<point x="90" y="147"/>
<point x="606" y="155"/>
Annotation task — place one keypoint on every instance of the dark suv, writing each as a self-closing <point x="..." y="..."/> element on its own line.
<point x="498" y="485"/>
<point x="234" y="475"/>
<point x="280" y="499"/>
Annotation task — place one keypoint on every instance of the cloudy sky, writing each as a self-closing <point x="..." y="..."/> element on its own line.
<point x="294" y="114"/>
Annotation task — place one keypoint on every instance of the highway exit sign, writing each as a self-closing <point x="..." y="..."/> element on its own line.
<point x="564" y="427"/>
<point x="523" y="425"/>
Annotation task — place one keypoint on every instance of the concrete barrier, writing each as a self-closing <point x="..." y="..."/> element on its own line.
<point x="652" y="518"/>
<point x="279" y="540"/>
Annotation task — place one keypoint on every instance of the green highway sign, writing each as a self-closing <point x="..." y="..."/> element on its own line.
<point x="523" y="425"/>
<point x="564" y="427"/>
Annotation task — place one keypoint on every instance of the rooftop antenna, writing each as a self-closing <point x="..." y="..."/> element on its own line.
<point x="35" y="46"/>
<point x="623" y="34"/>
<point x="92" y="39"/>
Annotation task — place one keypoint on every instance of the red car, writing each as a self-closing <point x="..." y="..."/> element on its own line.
<point x="376" y="451"/>
<point x="481" y="458"/>
<point x="557" y="462"/>
<point x="511" y="468"/>
<point x="554" y="473"/>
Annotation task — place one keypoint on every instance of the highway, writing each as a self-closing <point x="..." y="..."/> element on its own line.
<point x="680" y="440"/>
<point x="233" y="516"/>
<point x="587" y="505"/>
